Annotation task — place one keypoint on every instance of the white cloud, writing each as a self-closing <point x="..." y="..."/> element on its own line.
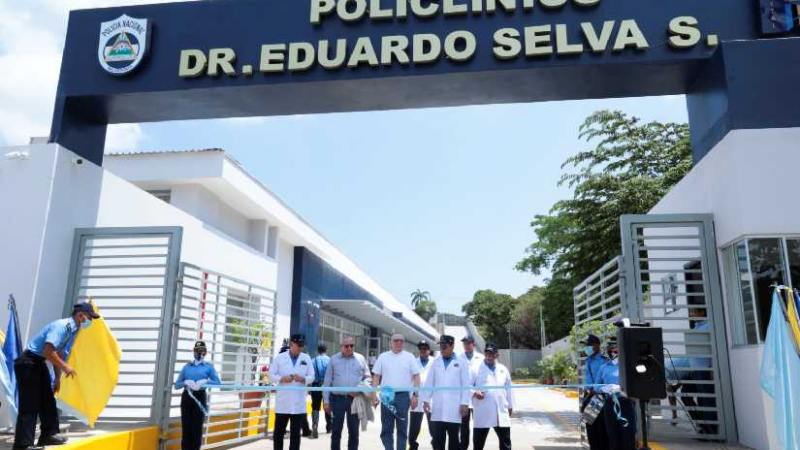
<point x="124" y="137"/>
<point x="31" y="43"/>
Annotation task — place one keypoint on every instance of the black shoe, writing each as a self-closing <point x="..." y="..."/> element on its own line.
<point x="29" y="447"/>
<point x="55" y="439"/>
<point x="307" y="434"/>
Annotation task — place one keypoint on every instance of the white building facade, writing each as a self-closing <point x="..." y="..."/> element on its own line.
<point x="244" y="269"/>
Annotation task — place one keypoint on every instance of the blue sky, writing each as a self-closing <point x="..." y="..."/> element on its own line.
<point x="437" y="199"/>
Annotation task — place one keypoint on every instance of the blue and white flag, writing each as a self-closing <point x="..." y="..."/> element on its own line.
<point x="12" y="349"/>
<point x="780" y="377"/>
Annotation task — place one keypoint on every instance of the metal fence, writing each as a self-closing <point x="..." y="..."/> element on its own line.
<point x="129" y="273"/>
<point x="236" y="320"/>
<point x="668" y="276"/>
<point x="598" y="303"/>
<point x="157" y="307"/>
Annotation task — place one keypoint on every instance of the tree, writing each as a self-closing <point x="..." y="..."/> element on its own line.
<point x="525" y="319"/>
<point x="426" y="309"/>
<point x="491" y="313"/>
<point x="419" y="296"/>
<point x="632" y="166"/>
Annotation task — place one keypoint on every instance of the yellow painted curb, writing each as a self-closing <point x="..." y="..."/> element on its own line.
<point x="138" y="439"/>
<point x="656" y="446"/>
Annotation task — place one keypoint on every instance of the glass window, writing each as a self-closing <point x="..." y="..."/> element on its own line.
<point x="793" y="248"/>
<point x="753" y="267"/>
<point x="740" y="296"/>
<point x="767" y="267"/>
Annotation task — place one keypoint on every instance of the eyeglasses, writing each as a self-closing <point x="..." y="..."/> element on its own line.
<point x="397" y="340"/>
<point x="348" y="345"/>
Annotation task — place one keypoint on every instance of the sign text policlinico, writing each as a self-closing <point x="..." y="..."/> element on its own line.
<point x="458" y="46"/>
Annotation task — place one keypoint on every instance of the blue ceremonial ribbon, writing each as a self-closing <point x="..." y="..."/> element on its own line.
<point x="368" y="389"/>
<point x="386" y="393"/>
<point x="386" y="397"/>
<point x="618" y="410"/>
<point x="199" y="404"/>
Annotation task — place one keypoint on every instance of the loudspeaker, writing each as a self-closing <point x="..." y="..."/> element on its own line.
<point x="641" y="363"/>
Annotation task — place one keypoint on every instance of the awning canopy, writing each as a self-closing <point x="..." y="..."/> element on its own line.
<point x="368" y="313"/>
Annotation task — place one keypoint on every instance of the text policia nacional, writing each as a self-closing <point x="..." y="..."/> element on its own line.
<point x="457" y="47"/>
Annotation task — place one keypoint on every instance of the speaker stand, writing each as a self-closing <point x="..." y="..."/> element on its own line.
<point x="643" y="411"/>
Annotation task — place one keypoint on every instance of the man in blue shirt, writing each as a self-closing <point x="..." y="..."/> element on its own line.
<point x="621" y="429"/>
<point x="596" y="432"/>
<point x="320" y="365"/>
<point x="36" y="392"/>
<point x="195" y="376"/>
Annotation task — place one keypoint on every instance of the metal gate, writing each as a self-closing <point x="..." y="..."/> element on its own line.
<point x="130" y="275"/>
<point x="236" y="320"/>
<point x="668" y="276"/>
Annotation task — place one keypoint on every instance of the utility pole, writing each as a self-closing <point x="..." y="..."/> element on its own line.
<point x="541" y="325"/>
<point x="510" y="351"/>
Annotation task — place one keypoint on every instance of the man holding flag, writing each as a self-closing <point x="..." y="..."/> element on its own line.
<point x="36" y="394"/>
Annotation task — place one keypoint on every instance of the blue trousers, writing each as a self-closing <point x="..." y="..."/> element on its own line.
<point x="341" y="411"/>
<point x="390" y="421"/>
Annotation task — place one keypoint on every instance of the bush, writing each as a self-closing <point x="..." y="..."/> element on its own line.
<point x="522" y="373"/>
<point x="560" y="368"/>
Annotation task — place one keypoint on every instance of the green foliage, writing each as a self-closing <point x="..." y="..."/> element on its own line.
<point x="251" y="334"/>
<point x="425" y="309"/>
<point x="525" y="319"/>
<point x="561" y="368"/>
<point x="522" y="373"/>
<point x="491" y="313"/>
<point x="595" y="327"/>
<point x="419" y="296"/>
<point x="632" y="166"/>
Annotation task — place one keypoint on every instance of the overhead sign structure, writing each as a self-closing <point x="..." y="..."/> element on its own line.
<point x="196" y="60"/>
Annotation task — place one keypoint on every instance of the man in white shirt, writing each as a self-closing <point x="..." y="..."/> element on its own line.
<point x="493" y="408"/>
<point x="418" y="414"/>
<point x="397" y="369"/>
<point x="474" y="360"/>
<point x="291" y="368"/>
<point x="447" y="407"/>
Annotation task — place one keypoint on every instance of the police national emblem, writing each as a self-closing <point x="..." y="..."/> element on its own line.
<point x="123" y="44"/>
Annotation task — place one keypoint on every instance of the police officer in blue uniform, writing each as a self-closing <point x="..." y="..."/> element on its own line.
<point x="36" y="389"/>
<point x="621" y="430"/>
<point x="194" y="377"/>
<point x="596" y="432"/>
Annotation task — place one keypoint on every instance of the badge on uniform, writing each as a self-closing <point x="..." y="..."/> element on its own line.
<point x="303" y="363"/>
<point x="455" y="365"/>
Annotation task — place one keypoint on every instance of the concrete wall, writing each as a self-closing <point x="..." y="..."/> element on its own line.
<point x="749" y="182"/>
<point x="557" y="346"/>
<point x="519" y="358"/>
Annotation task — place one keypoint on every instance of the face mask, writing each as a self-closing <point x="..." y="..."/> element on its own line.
<point x="86" y="324"/>
<point x="589" y="351"/>
<point x="198" y="356"/>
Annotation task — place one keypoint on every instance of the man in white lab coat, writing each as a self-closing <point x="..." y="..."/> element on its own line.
<point x="447" y="407"/>
<point x="418" y="413"/>
<point x="474" y="360"/>
<point x="291" y="368"/>
<point x="492" y="408"/>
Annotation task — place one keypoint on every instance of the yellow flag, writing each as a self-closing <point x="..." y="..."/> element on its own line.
<point x="794" y="324"/>
<point x="95" y="357"/>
